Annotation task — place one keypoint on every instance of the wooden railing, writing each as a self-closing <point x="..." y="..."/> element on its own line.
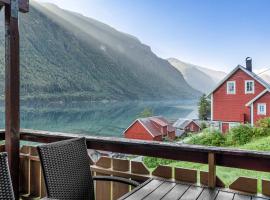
<point x="32" y="184"/>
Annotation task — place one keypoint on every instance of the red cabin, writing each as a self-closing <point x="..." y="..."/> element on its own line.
<point x="150" y="128"/>
<point x="241" y="97"/>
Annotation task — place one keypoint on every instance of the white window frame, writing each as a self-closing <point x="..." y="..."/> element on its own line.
<point x="249" y="92"/>
<point x="229" y="92"/>
<point x="258" y="109"/>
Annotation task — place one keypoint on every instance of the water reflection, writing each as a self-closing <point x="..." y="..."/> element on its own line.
<point x="96" y="118"/>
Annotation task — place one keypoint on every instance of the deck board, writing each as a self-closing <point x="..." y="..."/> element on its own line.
<point x="225" y="196"/>
<point x="145" y="191"/>
<point x="161" y="189"/>
<point x="193" y="192"/>
<point x="176" y="192"/>
<point x="241" y="197"/>
<point x="208" y="194"/>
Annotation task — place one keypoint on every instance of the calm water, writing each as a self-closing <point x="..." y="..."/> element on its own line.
<point x="107" y="119"/>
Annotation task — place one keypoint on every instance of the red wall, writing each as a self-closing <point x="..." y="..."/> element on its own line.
<point x="225" y="127"/>
<point x="171" y="135"/>
<point x="264" y="99"/>
<point x="231" y="107"/>
<point x="193" y="125"/>
<point x="137" y="131"/>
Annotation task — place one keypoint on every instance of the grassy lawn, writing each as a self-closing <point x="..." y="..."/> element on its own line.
<point x="227" y="175"/>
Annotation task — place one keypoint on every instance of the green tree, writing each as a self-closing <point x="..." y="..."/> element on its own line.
<point x="204" y="108"/>
<point x="147" y="112"/>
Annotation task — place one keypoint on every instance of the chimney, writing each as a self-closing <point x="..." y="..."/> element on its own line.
<point x="249" y="64"/>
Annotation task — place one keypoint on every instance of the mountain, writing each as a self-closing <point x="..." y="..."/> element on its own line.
<point x="65" y="55"/>
<point x="200" y="78"/>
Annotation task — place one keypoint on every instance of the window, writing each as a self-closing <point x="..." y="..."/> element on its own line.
<point x="261" y="109"/>
<point x="249" y="87"/>
<point x="231" y="87"/>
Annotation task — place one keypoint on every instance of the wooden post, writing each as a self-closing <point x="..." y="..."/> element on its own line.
<point x="211" y="170"/>
<point x="12" y="92"/>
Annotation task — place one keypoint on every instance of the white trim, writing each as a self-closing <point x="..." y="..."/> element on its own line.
<point x="257" y="97"/>
<point x="253" y="89"/>
<point x="212" y="107"/>
<point x="254" y="76"/>
<point x="258" y="109"/>
<point x="252" y="114"/>
<point x="234" y="85"/>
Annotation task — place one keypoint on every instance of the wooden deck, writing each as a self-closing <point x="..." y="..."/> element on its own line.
<point x="157" y="189"/>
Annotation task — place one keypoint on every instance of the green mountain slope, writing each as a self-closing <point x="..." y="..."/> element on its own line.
<point x="66" y="55"/>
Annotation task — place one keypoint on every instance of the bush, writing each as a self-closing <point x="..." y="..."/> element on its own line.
<point x="151" y="162"/>
<point x="210" y="138"/>
<point x="203" y="125"/>
<point x="263" y="123"/>
<point x="240" y="135"/>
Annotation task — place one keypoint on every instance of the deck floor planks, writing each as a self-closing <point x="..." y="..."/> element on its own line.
<point x="145" y="191"/>
<point x="208" y="194"/>
<point x="176" y="192"/>
<point x="193" y="192"/>
<point x="241" y="197"/>
<point x="224" y="196"/>
<point x="161" y="191"/>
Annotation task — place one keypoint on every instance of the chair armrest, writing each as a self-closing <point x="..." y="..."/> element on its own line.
<point x="116" y="179"/>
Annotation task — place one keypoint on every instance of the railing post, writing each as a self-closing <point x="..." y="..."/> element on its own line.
<point x="211" y="170"/>
<point x="12" y="92"/>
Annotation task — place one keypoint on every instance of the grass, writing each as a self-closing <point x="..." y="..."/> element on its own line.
<point x="228" y="175"/>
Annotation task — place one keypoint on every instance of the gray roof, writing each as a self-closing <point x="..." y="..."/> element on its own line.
<point x="182" y="123"/>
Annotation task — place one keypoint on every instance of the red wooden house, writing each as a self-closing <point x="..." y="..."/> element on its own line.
<point x="150" y="128"/>
<point x="241" y="97"/>
<point x="186" y="126"/>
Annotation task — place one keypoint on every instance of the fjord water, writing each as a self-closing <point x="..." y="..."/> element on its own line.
<point x="96" y="118"/>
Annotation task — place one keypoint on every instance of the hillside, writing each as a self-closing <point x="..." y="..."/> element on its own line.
<point x="200" y="78"/>
<point x="65" y="55"/>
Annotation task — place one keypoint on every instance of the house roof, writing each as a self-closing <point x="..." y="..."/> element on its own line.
<point x="252" y="74"/>
<point x="257" y="97"/>
<point x="149" y="124"/>
<point x="182" y="123"/>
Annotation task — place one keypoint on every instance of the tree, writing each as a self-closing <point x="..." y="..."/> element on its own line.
<point x="147" y="112"/>
<point x="204" y="108"/>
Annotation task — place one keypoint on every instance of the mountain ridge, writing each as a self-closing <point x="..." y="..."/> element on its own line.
<point x="69" y="56"/>
<point x="200" y="78"/>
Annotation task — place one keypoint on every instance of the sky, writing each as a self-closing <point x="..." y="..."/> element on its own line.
<point x="217" y="34"/>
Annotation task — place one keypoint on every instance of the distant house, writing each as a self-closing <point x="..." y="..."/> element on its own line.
<point x="150" y="128"/>
<point x="241" y="97"/>
<point x="186" y="126"/>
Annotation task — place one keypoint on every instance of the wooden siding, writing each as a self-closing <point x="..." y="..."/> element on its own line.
<point x="192" y="127"/>
<point x="264" y="99"/>
<point x="137" y="131"/>
<point x="231" y="107"/>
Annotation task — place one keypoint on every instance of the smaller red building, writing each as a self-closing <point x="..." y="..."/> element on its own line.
<point x="186" y="126"/>
<point x="150" y="128"/>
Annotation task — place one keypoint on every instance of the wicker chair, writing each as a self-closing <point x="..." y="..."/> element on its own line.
<point x="66" y="169"/>
<point x="6" y="189"/>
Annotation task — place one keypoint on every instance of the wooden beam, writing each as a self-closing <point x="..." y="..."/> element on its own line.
<point x="12" y="92"/>
<point x="211" y="170"/>
<point x="23" y="5"/>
